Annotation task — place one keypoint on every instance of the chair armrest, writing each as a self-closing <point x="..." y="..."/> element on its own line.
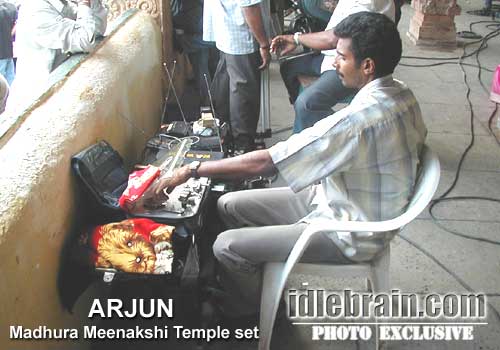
<point x="362" y="226"/>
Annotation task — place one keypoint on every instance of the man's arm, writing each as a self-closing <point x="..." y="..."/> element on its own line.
<point x="68" y="34"/>
<point x="253" y="18"/>
<point x="325" y="40"/>
<point x="237" y="168"/>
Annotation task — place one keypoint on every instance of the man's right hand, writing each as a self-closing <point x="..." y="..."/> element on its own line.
<point x="283" y="44"/>
<point x="265" y="55"/>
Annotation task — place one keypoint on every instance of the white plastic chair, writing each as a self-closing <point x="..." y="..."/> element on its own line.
<point x="376" y="271"/>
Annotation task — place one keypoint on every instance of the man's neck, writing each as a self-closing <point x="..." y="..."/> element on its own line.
<point x="365" y="81"/>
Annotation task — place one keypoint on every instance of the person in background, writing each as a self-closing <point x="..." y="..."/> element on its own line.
<point x="46" y="31"/>
<point x="359" y="164"/>
<point x="8" y="15"/>
<point x="398" y="4"/>
<point x="238" y="28"/>
<point x="317" y="100"/>
<point x="4" y="93"/>
<point x="190" y="21"/>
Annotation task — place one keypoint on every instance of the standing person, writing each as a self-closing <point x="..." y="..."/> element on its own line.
<point x="317" y="100"/>
<point x="359" y="164"/>
<point x="46" y="31"/>
<point x="8" y="15"/>
<point x="398" y="4"/>
<point x="238" y="29"/>
<point x="190" y="21"/>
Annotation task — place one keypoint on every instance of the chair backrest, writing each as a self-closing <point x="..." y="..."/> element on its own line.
<point x="425" y="186"/>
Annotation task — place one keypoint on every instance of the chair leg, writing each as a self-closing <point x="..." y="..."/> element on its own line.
<point x="380" y="283"/>
<point x="269" y="302"/>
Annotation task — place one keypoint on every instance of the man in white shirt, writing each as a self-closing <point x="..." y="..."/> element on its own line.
<point x="317" y="100"/>
<point x="46" y="31"/>
<point x="365" y="158"/>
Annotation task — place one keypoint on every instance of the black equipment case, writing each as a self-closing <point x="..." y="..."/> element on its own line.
<point x="103" y="177"/>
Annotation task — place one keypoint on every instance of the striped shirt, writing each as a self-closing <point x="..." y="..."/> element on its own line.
<point x="365" y="157"/>
<point x="224" y="23"/>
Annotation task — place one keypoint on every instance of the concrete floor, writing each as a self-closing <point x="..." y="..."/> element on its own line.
<point x="442" y="95"/>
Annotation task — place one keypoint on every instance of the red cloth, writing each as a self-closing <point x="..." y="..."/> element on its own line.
<point x="144" y="227"/>
<point x="138" y="183"/>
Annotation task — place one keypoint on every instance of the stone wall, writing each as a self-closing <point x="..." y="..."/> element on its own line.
<point x="114" y="94"/>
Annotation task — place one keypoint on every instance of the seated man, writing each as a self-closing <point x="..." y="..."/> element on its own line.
<point x="365" y="157"/>
<point x="317" y="100"/>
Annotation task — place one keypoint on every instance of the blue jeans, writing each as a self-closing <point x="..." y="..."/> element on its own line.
<point x="199" y="54"/>
<point x="7" y="69"/>
<point x="317" y="100"/>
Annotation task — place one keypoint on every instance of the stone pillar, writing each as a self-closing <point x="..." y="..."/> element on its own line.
<point x="158" y="9"/>
<point x="117" y="7"/>
<point x="433" y="24"/>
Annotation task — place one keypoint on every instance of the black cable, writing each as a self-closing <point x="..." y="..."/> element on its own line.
<point x="443" y="63"/>
<point x="457" y="233"/>
<point x="471" y="143"/>
<point x="483" y="44"/>
<point x="453" y="274"/>
<point x="443" y="198"/>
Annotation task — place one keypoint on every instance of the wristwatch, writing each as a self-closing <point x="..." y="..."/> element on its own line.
<point x="296" y="38"/>
<point x="193" y="168"/>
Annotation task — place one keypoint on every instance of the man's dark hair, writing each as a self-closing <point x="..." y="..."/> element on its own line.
<point x="373" y="36"/>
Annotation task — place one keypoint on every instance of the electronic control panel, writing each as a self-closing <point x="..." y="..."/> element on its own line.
<point x="184" y="201"/>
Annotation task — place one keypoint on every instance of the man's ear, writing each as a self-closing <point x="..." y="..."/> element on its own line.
<point x="368" y="66"/>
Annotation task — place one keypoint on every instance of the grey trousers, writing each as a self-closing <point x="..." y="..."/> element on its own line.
<point x="236" y="88"/>
<point x="263" y="229"/>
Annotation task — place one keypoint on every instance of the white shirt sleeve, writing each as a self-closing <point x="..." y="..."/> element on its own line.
<point x="327" y="147"/>
<point x="55" y="31"/>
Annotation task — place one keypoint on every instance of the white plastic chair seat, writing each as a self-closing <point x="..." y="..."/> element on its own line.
<point x="376" y="270"/>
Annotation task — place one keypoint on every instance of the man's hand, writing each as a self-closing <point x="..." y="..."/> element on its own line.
<point x="283" y="44"/>
<point x="253" y="18"/>
<point x="157" y="192"/>
<point x="265" y="55"/>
